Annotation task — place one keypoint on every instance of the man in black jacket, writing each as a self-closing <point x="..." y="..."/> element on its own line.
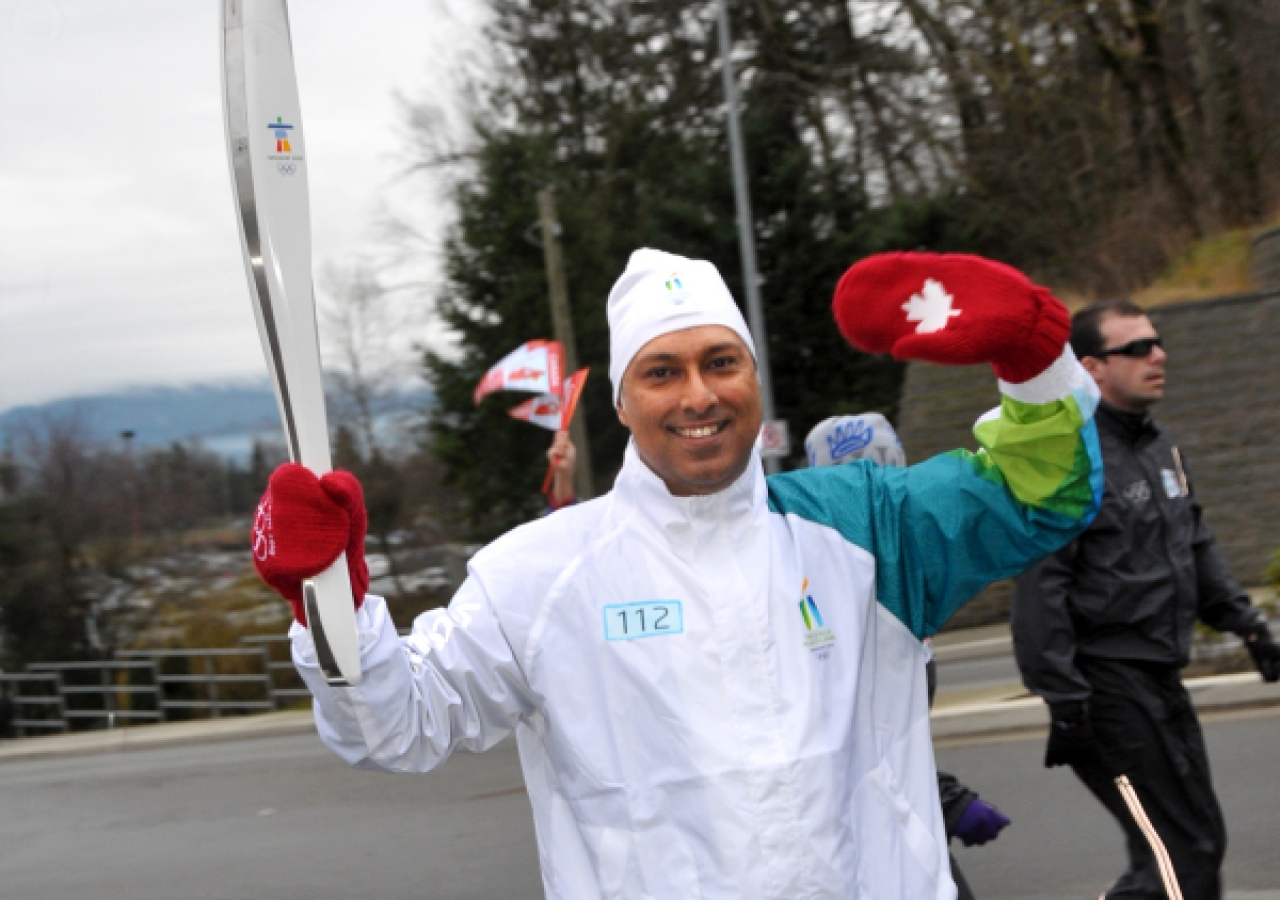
<point x="1102" y="627"/>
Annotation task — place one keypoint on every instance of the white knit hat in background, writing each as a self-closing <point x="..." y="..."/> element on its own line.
<point x="660" y="293"/>
<point x="843" y="439"/>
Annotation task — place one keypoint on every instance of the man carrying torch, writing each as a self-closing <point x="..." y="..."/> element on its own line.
<point x="716" y="679"/>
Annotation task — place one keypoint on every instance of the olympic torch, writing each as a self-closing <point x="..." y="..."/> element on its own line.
<point x="1164" y="862"/>
<point x="267" y="149"/>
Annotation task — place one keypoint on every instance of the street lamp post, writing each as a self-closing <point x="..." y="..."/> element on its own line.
<point x="562" y="326"/>
<point x="746" y="227"/>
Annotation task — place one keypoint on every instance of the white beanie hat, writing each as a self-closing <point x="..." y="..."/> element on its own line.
<point x="660" y="293"/>
<point x="843" y="439"/>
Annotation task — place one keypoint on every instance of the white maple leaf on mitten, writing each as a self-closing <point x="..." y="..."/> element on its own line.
<point x="931" y="307"/>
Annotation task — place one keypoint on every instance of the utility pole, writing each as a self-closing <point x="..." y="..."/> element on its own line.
<point x="562" y="325"/>
<point x="746" y="226"/>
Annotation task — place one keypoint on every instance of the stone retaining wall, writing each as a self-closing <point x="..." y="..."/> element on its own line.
<point x="1264" y="262"/>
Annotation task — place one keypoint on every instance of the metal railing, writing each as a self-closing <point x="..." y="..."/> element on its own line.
<point x="143" y="686"/>
<point x="286" y="684"/>
<point x="215" y="702"/>
<point x="12" y="685"/>
<point x="114" y="700"/>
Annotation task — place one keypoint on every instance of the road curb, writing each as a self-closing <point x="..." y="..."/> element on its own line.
<point x="1018" y="716"/>
<point x="989" y="641"/>
<point x="168" y="734"/>
<point x="1029" y="715"/>
<point x="984" y="648"/>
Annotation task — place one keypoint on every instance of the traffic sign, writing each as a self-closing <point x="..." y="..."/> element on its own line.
<point x="775" y="439"/>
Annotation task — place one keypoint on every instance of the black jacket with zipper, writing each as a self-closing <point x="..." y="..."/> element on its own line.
<point x="1132" y="586"/>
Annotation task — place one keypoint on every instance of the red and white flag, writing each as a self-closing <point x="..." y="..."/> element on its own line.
<point x="536" y="367"/>
<point x="545" y="410"/>
<point x="548" y="410"/>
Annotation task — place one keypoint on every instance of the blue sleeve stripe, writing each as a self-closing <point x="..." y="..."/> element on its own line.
<point x="939" y="531"/>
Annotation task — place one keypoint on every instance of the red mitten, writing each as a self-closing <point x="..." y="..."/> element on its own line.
<point x="953" y="309"/>
<point x="303" y="523"/>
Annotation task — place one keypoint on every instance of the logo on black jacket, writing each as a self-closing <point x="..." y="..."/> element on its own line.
<point x="1137" y="493"/>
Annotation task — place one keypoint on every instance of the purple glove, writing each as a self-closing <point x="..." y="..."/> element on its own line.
<point x="980" y="823"/>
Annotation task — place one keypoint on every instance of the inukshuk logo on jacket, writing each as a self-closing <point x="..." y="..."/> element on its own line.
<point x="817" y="636"/>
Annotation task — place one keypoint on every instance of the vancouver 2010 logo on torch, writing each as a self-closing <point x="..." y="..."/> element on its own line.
<point x="285" y="159"/>
<point x="281" y="129"/>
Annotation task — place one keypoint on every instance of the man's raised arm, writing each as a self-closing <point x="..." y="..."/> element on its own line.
<point x="943" y="529"/>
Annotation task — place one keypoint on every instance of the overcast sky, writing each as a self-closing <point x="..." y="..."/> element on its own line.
<point x="119" y="255"/>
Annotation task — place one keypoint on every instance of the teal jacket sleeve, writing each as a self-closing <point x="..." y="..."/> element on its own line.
<point x="942" y="530"/>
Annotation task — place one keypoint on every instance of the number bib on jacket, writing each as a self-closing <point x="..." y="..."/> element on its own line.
<point x="650" y="618"/>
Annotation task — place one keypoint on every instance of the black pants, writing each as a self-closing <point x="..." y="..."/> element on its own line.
<point x="1148" y="729"/>
<point x="963" y="891"/>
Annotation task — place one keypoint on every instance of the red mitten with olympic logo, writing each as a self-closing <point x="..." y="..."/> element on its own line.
<point x="953" y="309"/>
<point x="303" y="524"/>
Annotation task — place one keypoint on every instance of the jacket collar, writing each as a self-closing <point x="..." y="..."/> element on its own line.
<point x="1132" y="427"/>
<point x="736" y="507"/>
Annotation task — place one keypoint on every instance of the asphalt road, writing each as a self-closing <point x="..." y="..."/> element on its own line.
<point x="1063" y="846"/>
<point x="281" y="818"/>
<point x="269" y="819"/>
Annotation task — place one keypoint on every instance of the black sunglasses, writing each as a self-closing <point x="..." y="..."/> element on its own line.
<point x="1139" y="349"/>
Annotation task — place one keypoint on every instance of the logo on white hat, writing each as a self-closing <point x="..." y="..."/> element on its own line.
<point x="849" y="437"/>
<point x="931" y="307"/>
<point x="676" y="292"/>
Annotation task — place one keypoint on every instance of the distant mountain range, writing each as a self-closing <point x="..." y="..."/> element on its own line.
<point x="225" y="419"/>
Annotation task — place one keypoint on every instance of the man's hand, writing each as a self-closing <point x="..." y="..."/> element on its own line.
<point x="1071" y="737"/>
<point x="1264" y="650"/>
<point x="952" y="309"/>
<point x="980" y="822"/>
<point x="563" y="456"/>
<point x="303" y="524"/>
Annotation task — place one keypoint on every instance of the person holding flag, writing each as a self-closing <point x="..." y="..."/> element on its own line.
<point x="536" y="366"/>
<point x="716" y="679"/>
<point x="563" y="459"/>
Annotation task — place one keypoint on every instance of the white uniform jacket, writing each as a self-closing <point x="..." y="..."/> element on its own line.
<point x="724" y="696"/>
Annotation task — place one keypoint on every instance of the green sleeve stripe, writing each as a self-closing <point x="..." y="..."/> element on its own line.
<point x="1044" y="453"/>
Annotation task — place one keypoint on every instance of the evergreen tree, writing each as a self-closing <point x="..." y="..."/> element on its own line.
<point x="42" y="608"/>
<point x="1080" y="142"/>
<point x="619" y="107"/>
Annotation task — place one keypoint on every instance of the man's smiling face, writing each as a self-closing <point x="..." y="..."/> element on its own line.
<point x="692" y="402"/>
